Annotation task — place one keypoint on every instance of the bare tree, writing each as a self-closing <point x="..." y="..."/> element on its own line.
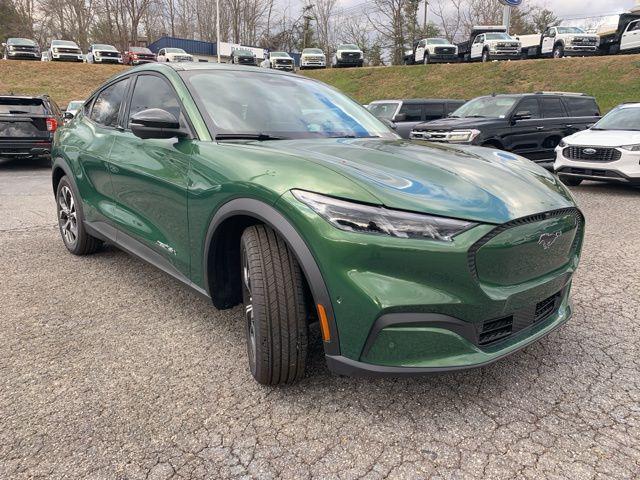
<point x="324" y="11"/>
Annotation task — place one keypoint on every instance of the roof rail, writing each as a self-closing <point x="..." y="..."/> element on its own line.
<point x="562" y="93"/>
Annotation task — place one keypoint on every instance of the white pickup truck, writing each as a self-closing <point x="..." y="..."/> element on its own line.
<point x="432" y="50"/>
<point x="626" y="36"/>
<point x="487" y="43"/>
<point x="559" y="42"/>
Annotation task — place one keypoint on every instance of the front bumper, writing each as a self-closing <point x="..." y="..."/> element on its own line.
<point x="113" y="60"/>
<point x="624" y="170"/>
<point x="141" y="61"/>
<point x="286" y="67"/>
<point x="581" y="50"/>
<point x="500" y="55"/>
<point x="446" y="58"/>
<point x="69" y="57"/>
<point x="405" y="306"/>
<point x="349" y="62"/>
<point x="313" y="64"/>
<point x="18" y="55"/>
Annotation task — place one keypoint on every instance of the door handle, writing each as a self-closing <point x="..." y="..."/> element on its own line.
<point x="569" y="126"/>
<point x="539" y="128"/>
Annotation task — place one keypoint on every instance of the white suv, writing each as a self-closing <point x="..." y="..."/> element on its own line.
<point x="174" y="55"/>
<point x="609" y="151"/>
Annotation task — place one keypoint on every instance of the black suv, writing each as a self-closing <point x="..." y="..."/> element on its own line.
<point x="530" y="125"/>
<point x="27" y="125"/>
<point x="243" y="56"/>
<point x="406" y="114"/>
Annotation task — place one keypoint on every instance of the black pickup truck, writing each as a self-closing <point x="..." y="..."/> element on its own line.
<point x="27" y="125"/>
<point x="530" y="125"/>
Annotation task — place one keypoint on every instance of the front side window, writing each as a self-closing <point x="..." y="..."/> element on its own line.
<point x="634" y="26"/>
<point x="433" y="111"/>
<point x="152" y="91"/>
<point x="384" y="109"/>
<point x="106" y="107"/>
<point x="254" y="103"/>
<point x="530" y="105"/>
<point x="413" y="112"/>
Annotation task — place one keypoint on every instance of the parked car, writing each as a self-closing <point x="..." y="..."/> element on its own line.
<point x="21" y="49"/>
<point x="312" y="58"/>
<point x="138" y="56"/>
<point x="27" y="125"/>
<point x="432" y="50"/>
<point x="174" y="55"/>
<point x="103" y="53"/>
<point x="530" y="125"/>
<point x="625" y="38"/>
<point x="243" y="56"/>
<point x="306" y="208"/>
<point x="487" y="43"/>
<point x="65" y="50"/>
<point x="348" y="55"/>
<point x="406" y="114"/>
<point x="73" y="107"/>
<point x="280" y="61"/>
<point x="558" y="42"/>
<point x="609" y="151"/>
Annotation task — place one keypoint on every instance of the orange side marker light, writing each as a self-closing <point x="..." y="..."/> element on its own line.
<point x="324" y="324"/>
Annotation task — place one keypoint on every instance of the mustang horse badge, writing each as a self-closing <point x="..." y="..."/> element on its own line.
<point x="548" y="239"/>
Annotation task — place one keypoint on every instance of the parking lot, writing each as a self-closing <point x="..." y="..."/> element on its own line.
<point x="111" y="369"/>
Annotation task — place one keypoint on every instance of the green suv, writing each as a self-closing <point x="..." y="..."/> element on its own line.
<point x="278" y="192"/>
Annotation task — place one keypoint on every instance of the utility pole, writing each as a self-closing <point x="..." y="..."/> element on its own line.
<point x="218" y="29"/>
<point x="426" y="13"/>
<point x="506" y="17"/>
<point x="307" y="22"/>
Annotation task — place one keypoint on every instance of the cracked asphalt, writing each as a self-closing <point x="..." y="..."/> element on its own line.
<point x="111" y="369"/>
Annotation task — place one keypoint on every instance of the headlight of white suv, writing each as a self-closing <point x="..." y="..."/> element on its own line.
<point x="356" y="217"/>
<point x="631" y="148"/>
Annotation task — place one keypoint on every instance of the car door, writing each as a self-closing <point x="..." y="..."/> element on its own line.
<point x="631" y="37"/>
<point x="524" y="134"/>
<point x="150" y="179"/>
<point x="548" y="40"/>
<point x="94" y="137"/>
<point x="420" y="49"/>
<point x="556" y="125"/>
<point x="161" y="55"/>
<point x="477" y="47"/>
<point x="413" y="115"/>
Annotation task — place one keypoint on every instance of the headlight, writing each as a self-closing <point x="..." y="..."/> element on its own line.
<point x="462" y="136"/>
<point x="356" y="217"/>
<point x="631" y="148"/>
<point x="11" y="48"/>
<point x="97" y="54"/>
<point x="55" y="50"/>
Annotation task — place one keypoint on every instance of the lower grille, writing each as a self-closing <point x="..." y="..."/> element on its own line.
<point x="545" y="308"/>
<point x="592" y="154"/>
<point x="75" y="51"/>
<point x="495" y="331"/>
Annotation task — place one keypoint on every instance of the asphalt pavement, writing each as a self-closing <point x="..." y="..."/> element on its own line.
<point x="111" y="369"/>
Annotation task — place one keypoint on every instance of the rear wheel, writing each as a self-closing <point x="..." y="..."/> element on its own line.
<point x="70" y="221"/>
<point x="274" y="307"/>
<point x="570" y="181"/>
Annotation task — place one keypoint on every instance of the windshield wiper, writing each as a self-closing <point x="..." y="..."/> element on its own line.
<point x="248" y="136"/>
<point x="354" y="136"/>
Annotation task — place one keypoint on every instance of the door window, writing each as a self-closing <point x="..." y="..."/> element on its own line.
<point x="106" y="107"/>
<point x="479" y="39"/>
<point x="530" y="105"/>
<point x="433" y="111"/>
<point x="152" y="91"/>
<point x="552" y="108"/>
<point x="413" y="112"/>
<point x="582" y="107"/>
<point x="633" y="26"/>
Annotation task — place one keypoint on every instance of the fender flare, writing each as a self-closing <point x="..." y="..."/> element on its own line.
<point x="61" y="163"/>
<point x="272" y="217"/>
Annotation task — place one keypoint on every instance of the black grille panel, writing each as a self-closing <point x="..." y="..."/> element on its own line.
<point x="445" y="50"/>
<point x="592" y="154"/>
<point x="495" y="331"/>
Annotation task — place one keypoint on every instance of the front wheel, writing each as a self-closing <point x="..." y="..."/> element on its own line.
<point x="558" y="51"/>
<point x="570" y="181"/>
<point x="485" y="57"/>
<point x="70" y="221"/>
<point x="426" y="60"/>
<point x="275" y="313"/>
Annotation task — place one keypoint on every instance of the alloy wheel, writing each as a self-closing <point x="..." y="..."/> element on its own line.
<point x="67" y="216"/>
<point x="248" y="311"/>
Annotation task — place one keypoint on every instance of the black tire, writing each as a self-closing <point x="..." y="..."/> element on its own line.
<point x="274" y="306"/>
<point x="426" y="60"/>
<point x="71" y="220"/>
<point x="558" y="51"/>
<point x="570" y="181"/>
<point x="485" y="56"/>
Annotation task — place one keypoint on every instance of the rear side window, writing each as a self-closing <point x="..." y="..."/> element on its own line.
<point x="18" y="106"/>
<point x="412" y="111"/>
<point x="106" y="106"/>
<point x="433" y="111"/>
<point x="552" y="108"/>
<point x="582" y="107"/>
<point x="153" y="92"/>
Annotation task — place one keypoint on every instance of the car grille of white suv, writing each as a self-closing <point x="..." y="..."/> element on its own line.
<point x="592" y="154"/>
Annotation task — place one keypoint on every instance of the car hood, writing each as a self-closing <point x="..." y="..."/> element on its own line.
<point x="465" y="182"/>
<point x="446" y="45"/>
<point x="604" y="138"/>
<point x="447" y="124"/>
<point x="349" y="51"/>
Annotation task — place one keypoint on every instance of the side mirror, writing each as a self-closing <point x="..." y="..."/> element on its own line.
<point x="68" y="116"/>
<point x="389" y="123"/>
<point x="399" y="117"/>
<point x="156" y="123"/>
<point x="522" y="115"/>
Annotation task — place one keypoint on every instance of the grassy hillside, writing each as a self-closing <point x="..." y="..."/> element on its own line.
<point x="612" y="80"/>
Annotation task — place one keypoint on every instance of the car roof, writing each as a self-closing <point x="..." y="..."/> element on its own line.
<point x="413" y="101"/>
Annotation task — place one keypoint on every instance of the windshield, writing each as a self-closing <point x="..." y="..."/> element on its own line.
<point x="279" y="54"/>
<point x="437" y="41"/>
<point x="315" y="51"/>
<point x="175" y="50"/>
<point x="570" y="30"/>
<point x="64" y="43"/>
<point x="280" y="106"/>
<point x="489" y="107"/>
<point x="17" y="105"/>
<point x="384" y="110"/>
<point x="75" y="105"/>
<point x="21" y="41"/>
<point x="621" y="118"/>
<point x="101" y="46"/>
<point x="247" y="53"/>
<point x="498" y="36"/>
<point x="140" y="50"/>
<point x="348" y="46"/>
